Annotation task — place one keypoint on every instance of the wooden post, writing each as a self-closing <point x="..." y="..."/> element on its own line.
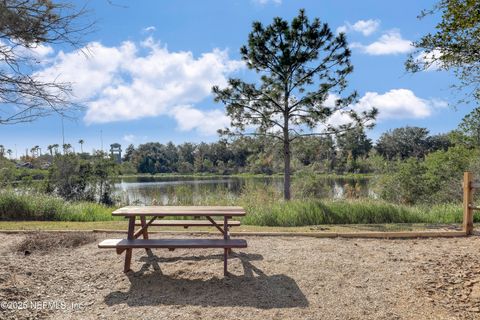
<point x="467" y="203"/>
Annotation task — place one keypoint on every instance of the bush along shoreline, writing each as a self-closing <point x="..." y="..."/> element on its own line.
<point x="262" y="210"/>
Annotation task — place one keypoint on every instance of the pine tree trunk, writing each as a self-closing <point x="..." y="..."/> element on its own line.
<point x="286" y="157"/>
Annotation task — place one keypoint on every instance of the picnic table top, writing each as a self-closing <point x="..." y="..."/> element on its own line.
<point x="195" y="211"/>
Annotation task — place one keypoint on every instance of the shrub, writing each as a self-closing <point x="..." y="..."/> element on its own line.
<point x="437" y="179"/>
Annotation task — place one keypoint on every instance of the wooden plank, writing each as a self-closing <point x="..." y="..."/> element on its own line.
<point x="195" y="211"/>
<point x="172" y="243"/>
<point x="190" y="223"/>
<point x="368" y="234"/>
<point x="217" y="226"/>
<point x="400" y="235"/>
<point x="467" y="202"/>
<point x="144" y="228"/>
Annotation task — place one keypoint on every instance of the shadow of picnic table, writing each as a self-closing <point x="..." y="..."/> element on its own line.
<point x="252" y="289"/>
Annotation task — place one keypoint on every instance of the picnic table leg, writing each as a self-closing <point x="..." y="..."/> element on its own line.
<point x="128" y="254"/>
<point x="145" y="231"/>
<point x="227" y="232"/>
<point x="225" y="250"/>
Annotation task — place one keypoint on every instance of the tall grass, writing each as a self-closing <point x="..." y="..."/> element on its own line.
<point x="263" y="205"/>
<point x="315" y="212"/>
<point x="34" y="206"/>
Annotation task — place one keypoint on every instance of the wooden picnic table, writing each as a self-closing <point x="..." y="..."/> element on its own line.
<point x="160" y="212"/>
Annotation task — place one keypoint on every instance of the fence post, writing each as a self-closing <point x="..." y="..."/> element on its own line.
<point x="467" y="202"/>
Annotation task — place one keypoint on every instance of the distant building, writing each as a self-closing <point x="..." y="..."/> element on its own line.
<point x="116" y="152"/>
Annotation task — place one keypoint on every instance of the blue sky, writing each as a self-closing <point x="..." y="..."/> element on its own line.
<point x="151" y="65"/>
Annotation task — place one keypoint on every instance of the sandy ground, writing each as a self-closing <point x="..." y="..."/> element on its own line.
<point x="274" y="278"/>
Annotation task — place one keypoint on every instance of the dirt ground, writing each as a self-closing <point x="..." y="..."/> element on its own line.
<point x="274" y="278"/>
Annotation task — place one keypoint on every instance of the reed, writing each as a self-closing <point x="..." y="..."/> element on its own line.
<point x="263" y="204"/>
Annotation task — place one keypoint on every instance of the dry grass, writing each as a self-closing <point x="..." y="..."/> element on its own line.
<point x="274" y="278"/>
<point x="45" y="242"/>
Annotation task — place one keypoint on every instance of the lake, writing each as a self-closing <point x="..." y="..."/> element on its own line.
<point x="142" y="190"/>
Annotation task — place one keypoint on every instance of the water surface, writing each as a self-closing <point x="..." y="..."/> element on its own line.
<point x="142" y="190"/>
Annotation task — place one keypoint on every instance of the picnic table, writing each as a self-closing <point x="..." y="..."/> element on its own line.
<point x="155" y="215"/>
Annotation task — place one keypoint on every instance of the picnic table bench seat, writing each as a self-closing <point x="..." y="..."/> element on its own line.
<point x="172" y="243"/>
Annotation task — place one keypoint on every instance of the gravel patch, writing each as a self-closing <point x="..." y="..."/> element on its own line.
<point x="274" y="278"/>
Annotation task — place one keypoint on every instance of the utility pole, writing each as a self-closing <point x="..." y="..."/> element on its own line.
<point x="101" y="139"/>
<point x="63" y="136"/>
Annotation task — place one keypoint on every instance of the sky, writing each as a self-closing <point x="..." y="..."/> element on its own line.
<point x="151" y="65"/>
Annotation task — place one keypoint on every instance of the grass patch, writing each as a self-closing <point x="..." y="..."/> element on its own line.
<point x="45" y="242"/>
<point x="33" y="206"/>
<point x="363" y="211"/>
<point x="263" y="205"/>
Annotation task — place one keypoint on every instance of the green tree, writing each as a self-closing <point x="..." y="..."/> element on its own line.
<point x="470" y="127"/>
<point x="454" y="45"/>
<point x="81" y="142"/>
<point x="352" y="145"/>
<point x="406" y="184"/>
<point x="55" y="147"/>
<point x="74" y="178"/>
<point x="69" y="178"/>
<point x="300" y="65"/>
<point x="34" y="151"/>
<point x="318" y="152"/>
<point x="171" y="157"/>
<point x="444" y="172"/>
<point x="66" y="148"/>
<point x="129" y="153"/>
<point x="402" y="143"/>
<point x="103" y="170"/>
<point x="439" y="142"/>
<point x="186" y="153"/>
<point x="185" y="167"/>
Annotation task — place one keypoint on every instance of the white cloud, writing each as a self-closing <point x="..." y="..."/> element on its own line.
<point x="265" y="2"/>
<point x="149" y="29"/>
<point x="397" y="104"/>
<point x="133" y="81"/>
<point x="439" y="103"/>
<point x="204" y="122"/>
<point x="393" y="104"/>
<point x="390" y="42"/>
<point x="130" y="138"/>
<point x="366" y="27"/>
<point x="41" y="51"/>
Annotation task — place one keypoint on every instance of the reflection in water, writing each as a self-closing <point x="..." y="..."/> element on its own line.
<point x="142" y="190"/>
